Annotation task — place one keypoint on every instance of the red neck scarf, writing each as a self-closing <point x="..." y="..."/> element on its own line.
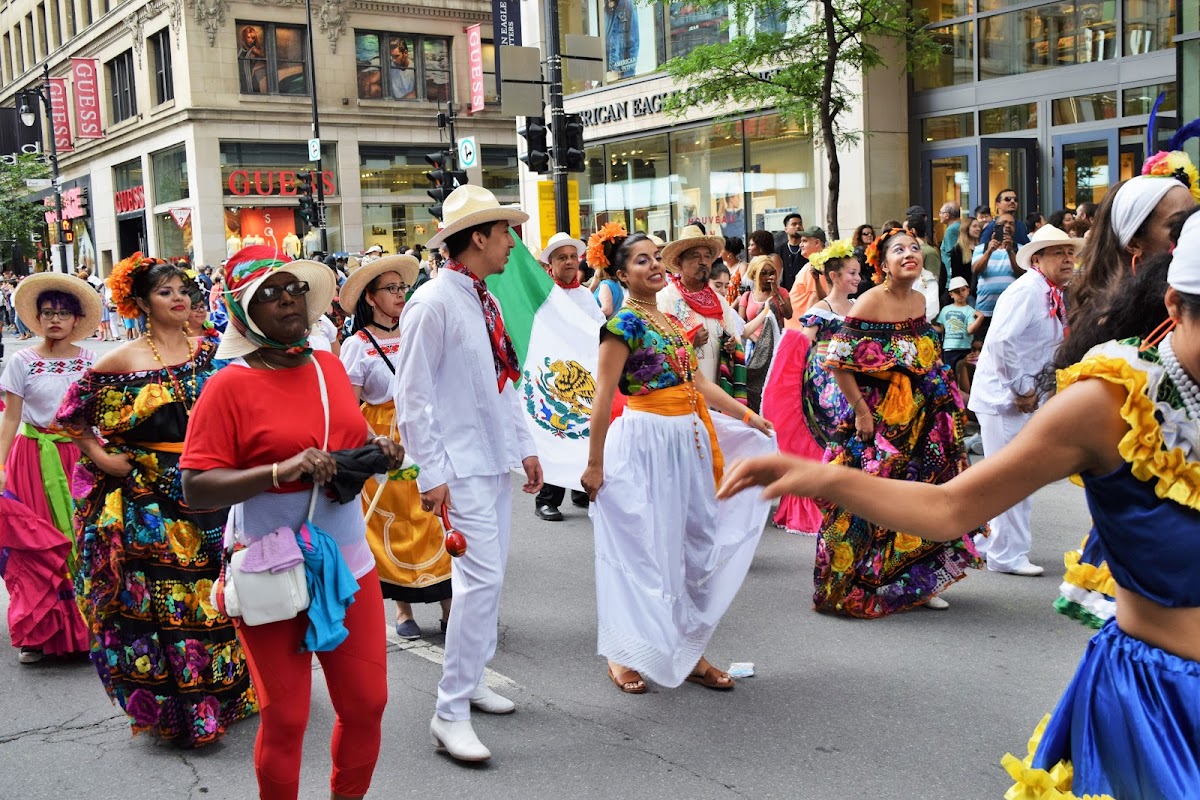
<point x="572" y="285"/>
<point x="503" y="355"/>
<point x="705" y="302"/>
<point x="1058" y="304"/>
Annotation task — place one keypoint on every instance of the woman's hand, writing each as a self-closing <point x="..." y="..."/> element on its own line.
<point x="864" y="421"/>
<point x="761" y="424"/>
<point x="592" y="480"/>
<point x="117" y="465"/>
<point x="316" y="463"/>
<point x="391" y="449"/>
<point x="780" y="475"/>
<point x="701" y="337"/>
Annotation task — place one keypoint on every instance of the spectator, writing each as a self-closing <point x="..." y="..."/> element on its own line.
<point x="1008" y="203"/>
<point x="957" y="324"/>
<point x="918" y="227"/>
<point x="1085" y="212"/>
<point x="761" y="243"/>
<point x="1034" y="220"/>
<point x="790" y="251"/>
<point x="949" y="216"/>
<point x="960" y="254"/>
<point x="809" y="287"/>
<point x="1062" y="219"/>
<point x="863" y="235"/>
<point x="731" y="257"/>
<point x="983" y="214"/>
<point x="995" y="265"/>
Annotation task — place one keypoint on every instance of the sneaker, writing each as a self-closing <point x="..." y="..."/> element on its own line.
<point x="1026" y="570"/>
<point x="936" y="603"/>
<point x="31" y="655"/>
<point x="974" y="444"/>
<point x="409" y="629"/>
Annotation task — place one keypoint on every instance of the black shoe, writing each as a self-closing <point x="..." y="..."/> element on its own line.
<point x="549" y="513"/>
<point x="579" y="500"/>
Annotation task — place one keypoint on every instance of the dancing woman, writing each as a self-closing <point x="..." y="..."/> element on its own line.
<point x="1128" y="723"/>
<point x="824" y="404"/>
<point x="668" y="563"/>
<point x="146" y="559"/>
<point x="43" y="617"/>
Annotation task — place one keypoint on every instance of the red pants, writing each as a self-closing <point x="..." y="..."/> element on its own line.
<point x="356" y="674"/>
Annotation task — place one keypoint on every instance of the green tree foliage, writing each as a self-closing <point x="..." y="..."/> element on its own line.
<point x="801" y="57"/>
<point x="20" y="216"/>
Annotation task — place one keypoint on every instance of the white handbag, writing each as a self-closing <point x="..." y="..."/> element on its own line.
<point x="260" y="598"/>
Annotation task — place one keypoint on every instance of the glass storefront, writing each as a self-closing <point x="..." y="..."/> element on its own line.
<point x="173" y="241"/>
<point x="169" y="173"/>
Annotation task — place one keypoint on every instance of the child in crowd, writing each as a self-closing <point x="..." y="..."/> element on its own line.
<point x="957" y="323"/>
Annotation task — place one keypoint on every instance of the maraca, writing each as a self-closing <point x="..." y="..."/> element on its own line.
<point x="456" y="543"/>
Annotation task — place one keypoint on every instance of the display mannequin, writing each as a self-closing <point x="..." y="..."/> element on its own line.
<point x="232" y="245"/>
<point x="291" y="245"/>
<point x="312" y="243"/>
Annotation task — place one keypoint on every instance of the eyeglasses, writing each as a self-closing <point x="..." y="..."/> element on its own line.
<point x="1009" y="199"/>
<point x="54" y="313"/>
<point x="394" y="289"/>
<point x="269" y="294"/>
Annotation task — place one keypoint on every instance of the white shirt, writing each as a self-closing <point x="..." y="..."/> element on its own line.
<point x="322" y="334"/>
<point x="1019" y="345"/>
<point x="928" y="286"/>
<point x="708" y="357"/>
<point x="367" y="369"/>
<point x="583" y="297"/>
<point x="42" y="383"/>
<point x="452" y="420"/>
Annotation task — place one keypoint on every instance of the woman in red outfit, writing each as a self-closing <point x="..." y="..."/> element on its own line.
<point x="256" y="443"/>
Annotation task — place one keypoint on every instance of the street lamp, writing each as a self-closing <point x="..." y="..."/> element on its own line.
<point x="25" y="105"/>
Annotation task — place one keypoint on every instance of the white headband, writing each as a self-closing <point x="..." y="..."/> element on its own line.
<point x="1184" y="272"/>
<point x="1135" y="201"/>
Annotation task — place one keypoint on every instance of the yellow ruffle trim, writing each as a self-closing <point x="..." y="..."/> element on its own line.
<point x="1142" y="448"/>
<point x="1042" y="784"/>
<point x="1088" y="576"/>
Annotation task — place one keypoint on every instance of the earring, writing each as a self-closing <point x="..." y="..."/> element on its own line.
<point x="149" y="327"/>
<point x="1133" y="264"/>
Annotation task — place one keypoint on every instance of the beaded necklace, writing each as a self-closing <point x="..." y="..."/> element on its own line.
<point x="677" y="356"/>
<point x="1189" y="391"/>
<point x="179" y="392"/>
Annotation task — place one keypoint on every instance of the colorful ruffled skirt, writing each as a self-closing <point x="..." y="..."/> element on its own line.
<point x="1128" y="726"/>
<point x="1088" y="591"/>
<point x="782" y="403"/>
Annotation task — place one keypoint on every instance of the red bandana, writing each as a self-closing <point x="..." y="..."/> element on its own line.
<point x="1058" y="304"/>
<point x="705" y="302"/>
<point x="503" y="355"/>
<point x="572" y="285"/>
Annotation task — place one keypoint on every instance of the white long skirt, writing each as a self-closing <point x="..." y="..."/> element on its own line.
<point x="669" y="557"/>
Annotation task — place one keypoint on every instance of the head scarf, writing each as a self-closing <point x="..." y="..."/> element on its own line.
<point x="1135" y="202"/>
<point x="244" y="274"/>
<point x="1184" y="272"/>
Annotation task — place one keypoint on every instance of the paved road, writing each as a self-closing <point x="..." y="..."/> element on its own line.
<point x="920" y="705"/>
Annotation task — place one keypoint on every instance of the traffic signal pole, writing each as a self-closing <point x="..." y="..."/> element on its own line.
<point x="316" y="134"/>
<point x="562" y="210"/>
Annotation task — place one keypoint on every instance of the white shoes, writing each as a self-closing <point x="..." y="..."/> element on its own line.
<point x="489" y="702"/>
<point x="936" y="603"/>
<point x="458" y="739"/>
<point x="1026" y="570"/>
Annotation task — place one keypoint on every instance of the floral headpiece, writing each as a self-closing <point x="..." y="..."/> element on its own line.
<point x="874" y="257"/>
<point x="120" y="282"/>
<point x="841" y="248"/>
<point x="609" y="231"/>
<point x="1172" y="162"/>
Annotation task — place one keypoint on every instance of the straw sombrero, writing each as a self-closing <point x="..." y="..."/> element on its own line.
<point x="407" y="266"/>
<point x="471" y="205"/>
<point x="689" y="237"/>
<point x="29" y="289"/>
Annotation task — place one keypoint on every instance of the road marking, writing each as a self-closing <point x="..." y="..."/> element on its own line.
<point x="436" y="654"/>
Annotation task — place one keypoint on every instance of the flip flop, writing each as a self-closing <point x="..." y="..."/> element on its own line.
<point x="711" y="679"/>
<point x="621" y="681"/>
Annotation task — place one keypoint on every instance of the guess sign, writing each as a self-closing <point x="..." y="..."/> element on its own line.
<point x="129" y="200"/>
<point x="74" y="203"/>
<point x="266" y="183"/>
<point x="87" y="98"/>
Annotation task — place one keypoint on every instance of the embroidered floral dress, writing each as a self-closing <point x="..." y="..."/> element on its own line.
<point x="147" y="562"/>
<point x="862" y="569"/>
<point x="825" y="406"/>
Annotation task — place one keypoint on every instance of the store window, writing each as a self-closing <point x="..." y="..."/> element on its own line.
<point x="272" y="59"/>
<point x="637" y="193"/>
<point x="695" y="24"/>
<point x="391" y="171"/>
<point x="951" y="126"/>
<point x="160" y="63"/>
<point x="170" y="170"/>
<point x="1008" y="118"/>
<point x="779" y="171"/>
<point x="1084" y="108"/>
<point x="1140" y="99"/>
<point x="938" y="10"/>
<point x="396" y="66"/>
<point x="491" y="90"/>
<point x="122" y="86"/>
<point x="500" y="174"/>
<point x="707" y="167"/>
<point x="956" y="66"/>
<point x="173" y="240"/>
<point x="1149" y="25"/>
<point x="1045" y="37"/>
<point x="591" y="189"/>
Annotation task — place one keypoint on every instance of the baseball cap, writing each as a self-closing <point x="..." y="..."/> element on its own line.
<point x="814" y="233"/>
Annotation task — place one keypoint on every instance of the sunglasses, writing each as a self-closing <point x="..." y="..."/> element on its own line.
<point x="269" y="294"/>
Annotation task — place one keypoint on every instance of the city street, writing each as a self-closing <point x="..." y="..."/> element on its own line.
<point x="920" y="705"/>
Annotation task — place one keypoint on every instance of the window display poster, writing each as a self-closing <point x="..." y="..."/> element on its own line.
<point x="269" y="224"/>
<point x="693" y="25"/>
<point x="252" y="59"/>
<point x="624" y="23"/>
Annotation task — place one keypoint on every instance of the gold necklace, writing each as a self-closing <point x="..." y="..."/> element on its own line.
<point x="682" y="362"/>
<point x="262" y="360"/>
<point x="180" y="394"/>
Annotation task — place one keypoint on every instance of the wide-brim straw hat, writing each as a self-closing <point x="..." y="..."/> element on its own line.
<point x="471" y="205"/>
<point x="1045" y="236"/>
<point x="25" y="301"/>
<point x="558" y="240"/>
<point x="322" y="286"/>
<point x="407" y="266"/>
<point x="690" y="237"/>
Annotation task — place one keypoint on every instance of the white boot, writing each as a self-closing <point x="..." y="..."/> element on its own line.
<point x="487" y="701"/>
<point x="458" y="739"/>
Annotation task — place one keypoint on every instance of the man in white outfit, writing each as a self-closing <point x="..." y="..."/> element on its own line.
<point x="1027" y="327"/>
<point x="461" y="422"/>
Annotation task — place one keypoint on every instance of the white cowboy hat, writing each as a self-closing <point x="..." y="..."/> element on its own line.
<point x="25" y="301"/>
<point x="958" y="282"/>
<point x="471" y="205"/>
<point x="375" y="248"/>
<point x="322" y="286"/>
<point x="558" y="240"/>
<point x="690" y="237"/>
<point x="352" y="289"/>
<point x="1046" y="236"/>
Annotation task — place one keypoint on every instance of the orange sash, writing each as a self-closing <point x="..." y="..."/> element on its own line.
<point x="676" y="401"/>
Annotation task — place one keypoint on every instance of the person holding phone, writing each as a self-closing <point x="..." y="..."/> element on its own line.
<point x="994" y="263"/>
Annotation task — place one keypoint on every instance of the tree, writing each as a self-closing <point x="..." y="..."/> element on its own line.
<point x="20" y="217"/>
<point x="798" y="56"/>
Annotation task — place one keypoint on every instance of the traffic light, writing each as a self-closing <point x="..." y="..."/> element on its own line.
<point x="308" y="207"/>
<point x="68" y="232"/>
<point x="441" y="179"/>
<point x="573" y="147"/>
<point x="537" y="156"/>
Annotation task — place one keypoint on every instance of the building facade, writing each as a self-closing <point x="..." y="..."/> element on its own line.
<point x="189" y="123"/>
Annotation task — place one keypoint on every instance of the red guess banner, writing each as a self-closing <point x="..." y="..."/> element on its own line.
<point x="85" y="78"/>
<point x="58" y="114"/>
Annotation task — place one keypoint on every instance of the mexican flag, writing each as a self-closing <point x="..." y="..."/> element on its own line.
<point x="558" y="346"/>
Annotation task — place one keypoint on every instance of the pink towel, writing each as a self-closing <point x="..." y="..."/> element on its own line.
<point x="277" y="552"/>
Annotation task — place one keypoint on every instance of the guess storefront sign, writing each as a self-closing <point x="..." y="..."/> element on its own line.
<point x="269" y="183"/>
<point x="130" y="200"/>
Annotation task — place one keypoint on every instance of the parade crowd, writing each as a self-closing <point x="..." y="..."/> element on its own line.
<point x="276" y="450"/>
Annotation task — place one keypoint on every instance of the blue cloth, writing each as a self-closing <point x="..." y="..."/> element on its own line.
<point x="949" y="242"/>
<point x="997" y="275"/>
<point x="331" y="589"/>
<point x="618" y="293"/>
<point x="1130" y="720"/>
<point x="1150" y="544"/>
<point x="956" y="320"/>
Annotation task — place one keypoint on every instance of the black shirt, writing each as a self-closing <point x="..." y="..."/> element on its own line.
<point x="792" y="264"/>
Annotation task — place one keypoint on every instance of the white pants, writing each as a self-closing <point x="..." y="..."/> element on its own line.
<point x="481" y="509"/>
<point x="1008" y="546"/>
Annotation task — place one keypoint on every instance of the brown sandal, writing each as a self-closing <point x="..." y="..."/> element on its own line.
<point x="623" y="681"/>
<point x="711" y="679"/>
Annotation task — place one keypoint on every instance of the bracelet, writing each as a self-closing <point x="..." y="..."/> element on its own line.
<point x="860" y="399"/>
<point x="746" y="417"/>
<point x="275" y="475"/>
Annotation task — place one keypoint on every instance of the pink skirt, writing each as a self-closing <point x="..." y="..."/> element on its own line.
<point x="782" y="404"/>
<point x="33" y="558"/>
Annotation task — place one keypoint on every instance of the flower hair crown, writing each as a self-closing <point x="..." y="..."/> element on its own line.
<point x="1172" y="162"/>
<point x="841" y="248"/>
<point x="609" y="232"/>
<point x="120" y="282"/>
<point x="874" y="257"/>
